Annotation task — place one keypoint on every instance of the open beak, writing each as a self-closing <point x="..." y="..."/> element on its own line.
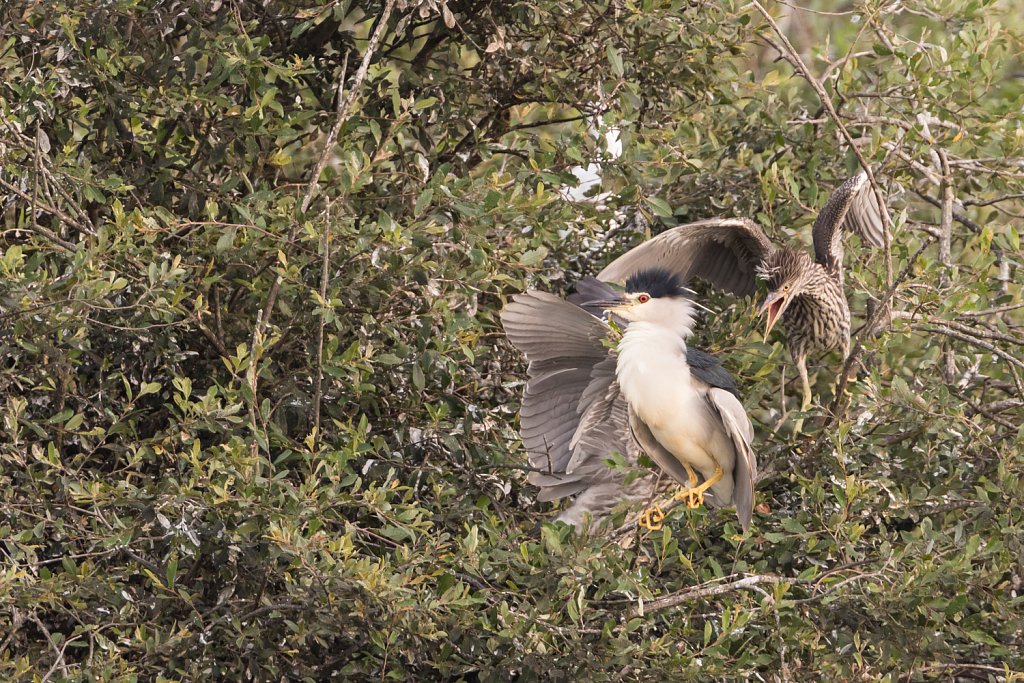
<point x="772" y="309"/>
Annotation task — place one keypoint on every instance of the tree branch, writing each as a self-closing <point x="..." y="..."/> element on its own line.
<point x="46" y="232"/>
<point x="794" y="58"/>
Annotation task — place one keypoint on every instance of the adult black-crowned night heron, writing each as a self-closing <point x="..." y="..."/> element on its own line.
<point x="808" y="294"/>
<point x="588" y="398"/>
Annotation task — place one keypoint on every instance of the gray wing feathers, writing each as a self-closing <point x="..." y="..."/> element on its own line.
<point x="572" y="417"/>
<point x="658" y="453"/>
<point x="723" y="251"/>
<point x="604" y="419"/>
<point x="709" y="370"/>
<point x="563" y="344"/>
<point x="739" y="429"/>
<point x="851" y="208"/>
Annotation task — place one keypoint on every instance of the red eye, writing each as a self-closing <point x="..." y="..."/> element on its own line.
<point x="643" y="298"/>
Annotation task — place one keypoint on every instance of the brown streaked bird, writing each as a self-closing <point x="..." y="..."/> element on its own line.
<point x="588" y="398"/>
<point x="806" y="293"/>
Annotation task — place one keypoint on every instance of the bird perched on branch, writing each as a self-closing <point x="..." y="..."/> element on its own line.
<point x="806" y="293"/>
<point x="588" y="399"/>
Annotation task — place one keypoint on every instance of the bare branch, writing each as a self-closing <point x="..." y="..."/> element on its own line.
<point x="996" y="200"/>
<point x="46" y="232"/>
<point x="318" y="378"/>
<point x="991" y="311"/>
<point x="945" y="248"/>
<point x="705" y="590"/>
<point x="794" y="58"/>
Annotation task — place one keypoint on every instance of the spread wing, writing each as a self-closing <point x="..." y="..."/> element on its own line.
<point x="723" y="251"/>
<point x="738" y="427"/>
<point x="573" y="417"/>
<point x="851" y="208"/>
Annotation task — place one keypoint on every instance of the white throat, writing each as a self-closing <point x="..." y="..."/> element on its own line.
<point x="652" y="358"/>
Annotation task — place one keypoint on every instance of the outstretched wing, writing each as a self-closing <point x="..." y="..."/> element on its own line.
<point x="851" y="208"/>
<point x="563" y="344"/>
<point x="573" y="417"/>
<point x="722" y="251"/>
<point x="738" y="427"/>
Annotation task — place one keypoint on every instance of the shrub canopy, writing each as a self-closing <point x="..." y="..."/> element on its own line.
<point x="256" y="425"/>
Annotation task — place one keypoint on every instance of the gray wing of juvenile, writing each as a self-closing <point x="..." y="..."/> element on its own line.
<point x="723" y="251"/>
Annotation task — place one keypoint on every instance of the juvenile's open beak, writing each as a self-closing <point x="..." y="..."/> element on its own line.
<point x="772" y="309"/>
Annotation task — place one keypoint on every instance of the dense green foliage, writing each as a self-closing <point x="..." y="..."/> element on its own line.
<point x="192" y="487"/>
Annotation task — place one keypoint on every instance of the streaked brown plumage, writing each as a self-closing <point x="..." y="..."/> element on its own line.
<point x="808" y="294"/>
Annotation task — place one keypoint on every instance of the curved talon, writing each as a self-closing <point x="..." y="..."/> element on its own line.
<point x="651" y="518"/>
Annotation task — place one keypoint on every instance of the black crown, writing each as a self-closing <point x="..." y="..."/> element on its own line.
<point x="657" y="282"/>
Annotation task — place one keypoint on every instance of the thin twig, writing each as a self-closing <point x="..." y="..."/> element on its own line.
<point x="702" y="591"/>
<point x="973" y="339"/>
<point x="318" y="379"/>
<point x="959" y="216"/>
<point x="34" y="618"/>
<point x="945" y="248"/>
<point x="826" y="102"/>
<point x="991" y="311"/>
<point x="214" y="339"/>
<point x="344" y="102"/>
<point x="988" y="202"/>
<point x="45" y="232"/>
<point x="344" y="106"/>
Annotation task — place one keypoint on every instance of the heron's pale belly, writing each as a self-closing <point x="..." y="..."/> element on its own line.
<point x="659" y="388"/>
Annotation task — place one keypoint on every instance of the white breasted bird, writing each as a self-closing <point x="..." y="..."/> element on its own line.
<point x="587" y="399"/>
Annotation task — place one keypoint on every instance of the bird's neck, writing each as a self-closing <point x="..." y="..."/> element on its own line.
<point x="822" y="289"/>
<point x="652" y="359"/>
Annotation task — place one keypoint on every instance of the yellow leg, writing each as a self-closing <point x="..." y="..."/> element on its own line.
<point x="801" y="366"/>
<point x="694" y="495"/>
<point x="692" y="475"/>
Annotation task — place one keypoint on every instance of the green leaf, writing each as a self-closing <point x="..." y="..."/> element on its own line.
<point x="615" y="60"/>
<point x="660" y="207"/>
<point x="422" y="202"/>
<point x="533" y="256"/>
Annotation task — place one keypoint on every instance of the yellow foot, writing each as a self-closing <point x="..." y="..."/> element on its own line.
<point x="851" y="379"/>
<point x="693" y="497"/>
<point x="651" y="518"/>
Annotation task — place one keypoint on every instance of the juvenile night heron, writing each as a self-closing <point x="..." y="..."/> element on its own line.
<point x="808" y="294"/>
<point x="588" y="398"/>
